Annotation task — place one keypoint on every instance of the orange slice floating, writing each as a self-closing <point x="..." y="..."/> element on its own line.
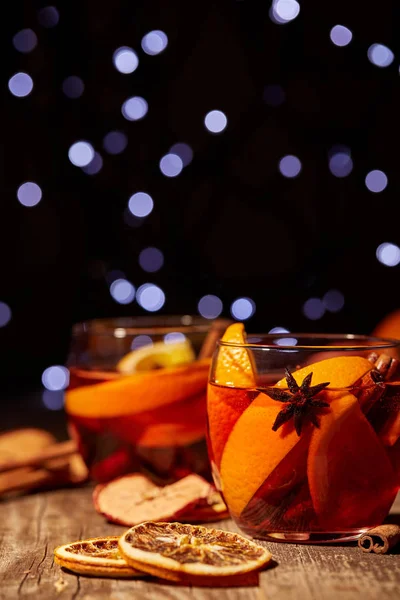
<point x="139" y="392"/>
<point x="352" y="482"/>
<point x="224" y="406"/>
<point x="253" y="450"/>
<point x="190" y="553"/>
<point x="99" y="557"/>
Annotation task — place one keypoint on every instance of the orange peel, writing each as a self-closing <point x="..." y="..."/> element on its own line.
<point x="136" y="393"/>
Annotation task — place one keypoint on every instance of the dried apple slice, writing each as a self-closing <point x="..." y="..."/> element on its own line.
<point x="190" y="553"/>
<point x="99" y="557"/>
<point x="209" y="509"/>
<point x="133" y="499"/>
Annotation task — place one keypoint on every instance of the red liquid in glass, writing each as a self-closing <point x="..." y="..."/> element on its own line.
<point x="358" y="452"/>
<point x="165" y="443"/>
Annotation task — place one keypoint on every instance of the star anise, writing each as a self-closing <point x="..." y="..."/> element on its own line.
<point x="299" y="402"/>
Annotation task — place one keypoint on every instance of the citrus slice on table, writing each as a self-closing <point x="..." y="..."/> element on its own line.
<point x="157" y="356"/>
<point x="190" y="553"/>
<point x="131" y="499"/>
<point x="224" y="405"/>
<point x="253" y="450"/>
<point x="132" y="394"/>
<point x="100" y="557"/>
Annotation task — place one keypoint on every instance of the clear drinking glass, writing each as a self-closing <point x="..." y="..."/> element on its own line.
<point x="137" y="394"/>
<point x="304" y="434"/>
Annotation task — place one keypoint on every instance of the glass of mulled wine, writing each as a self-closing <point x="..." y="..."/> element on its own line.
<point x="137" y="395"/>
<point x="304" y="433"/>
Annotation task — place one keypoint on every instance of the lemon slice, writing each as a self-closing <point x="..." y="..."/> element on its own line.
<point x="157" y="356"/>
<point x="99" y="557"/>
<point x="190" y="553"/>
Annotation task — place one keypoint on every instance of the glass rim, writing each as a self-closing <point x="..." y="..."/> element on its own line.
<point x="142" y="325"/>
<point x="371" y="342"/>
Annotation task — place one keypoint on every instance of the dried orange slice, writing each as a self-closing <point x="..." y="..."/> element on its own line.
<point x="190" y="553"/>
<point x="132" y="499"/>
<point x="98" y="557"/>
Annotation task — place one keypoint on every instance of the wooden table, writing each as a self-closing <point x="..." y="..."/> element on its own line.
<point x="31" y="527"/>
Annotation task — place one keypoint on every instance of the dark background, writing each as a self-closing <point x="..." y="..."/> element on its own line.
<point x="230" y="224"/>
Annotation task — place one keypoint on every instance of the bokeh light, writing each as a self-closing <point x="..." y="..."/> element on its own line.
<point x="55" y="378"/>
<point x="215" y="121"/>
<point x="290" y="166"/>
<point x="53" y="400"/>
<point x="333" y="300"/>
<point x="29" y="194"/>
<point x="141" y="340"/>
<point x="5" y="314"/>
<point x="81" y="153"/>
<point x="175" y="337"/>
<point x="115" y="142"/>
<point x="286" y="341"/>
<point x="25" y="40"/>
<point x="210" y="306"/>
<point x="20" y="85"/>
<point x="284" y="11"/>
<point x="122" y="291"/>
<point x="278" y="330"/>
<point x="150" y="297"/>
<point x="274" y="95"/>
<point x="340" y="162"/>
<point x="48" y="16"/>
<point x="154" y="42"/>
<point x="341" y="35"/>
<point x="134" y="108"/>
<point x="184" y="152"/>
<point x="125" y="60"/>
<point x="376" y="181"/>
<point x="151" y="259"/>
<point x="73" y="86"/>
<point x="140" y="204"/>
<point x="95" y="165"/>
<point x="313" y="309"/>
<point x="380" y="55"/>
<point x="171" y="165"/>
<point x="243" y="308"/>
<point x="388" y="254"/>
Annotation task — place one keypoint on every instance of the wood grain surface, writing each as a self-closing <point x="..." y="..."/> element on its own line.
<point x="33" y="525"/>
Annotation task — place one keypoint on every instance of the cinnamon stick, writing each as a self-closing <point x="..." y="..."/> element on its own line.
<point x="61" y="449"/>
<point x="380" y="540"/>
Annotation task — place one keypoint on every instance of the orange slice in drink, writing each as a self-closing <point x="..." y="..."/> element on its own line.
<point x="136" y="393"/>
<point x="191" y="554"/>
<point x="253" y="450"/>
<point x="351" y="479"/>
<point x="224" y="406"/>
<point x="99" y="557"/>
<point x="234" y="367"/>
